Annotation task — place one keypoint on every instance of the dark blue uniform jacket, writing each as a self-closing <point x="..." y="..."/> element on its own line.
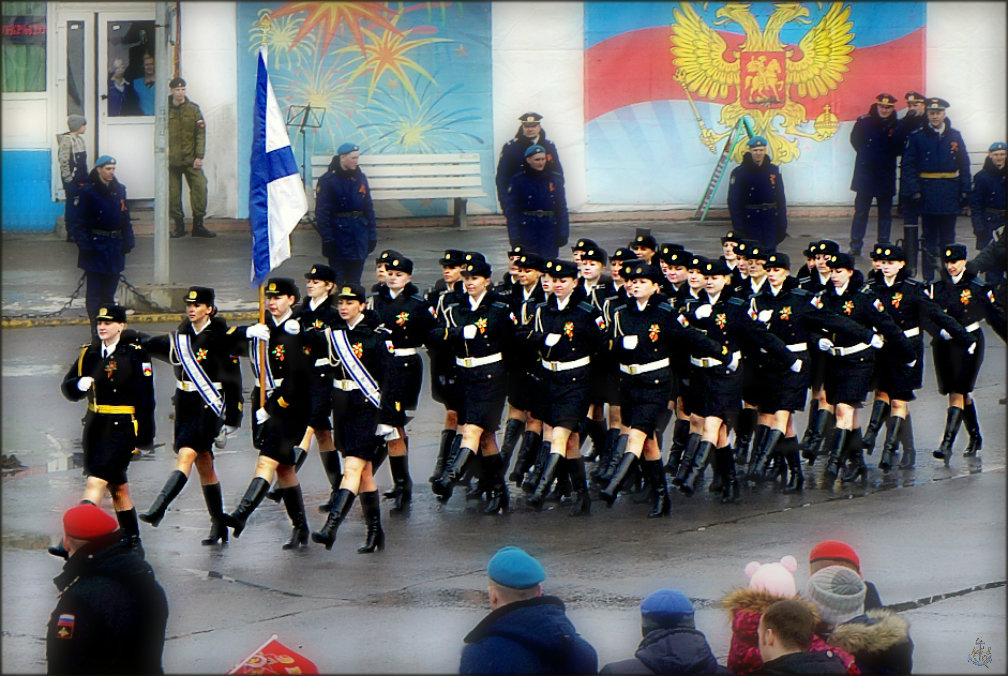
<point x="928" y="152"/>
<point x="542" y="192"/>
<point x="101" y="226"/>
<point x="877" y="143"/>
<point x="757" y="203"/>
<point x="344" y="214"/>
<point x="987" y="200"/>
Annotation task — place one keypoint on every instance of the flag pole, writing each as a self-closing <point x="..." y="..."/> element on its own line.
<point x="262" y="348"/>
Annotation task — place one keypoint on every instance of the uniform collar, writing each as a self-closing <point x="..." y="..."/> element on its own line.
<point x="474" y="303"/>
<point x="956" y="279"/>
<point x="353" y="326"/>
<point x="278" y="322"/>
<point x="111" y="348"/>
<point x="561" y="304"/>
<point x="841" y="290"/>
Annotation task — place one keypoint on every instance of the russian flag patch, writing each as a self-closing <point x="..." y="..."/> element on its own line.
<point x="600" y="323"/>
<point x="147" y="371"/>
<point x="65" y="626"/>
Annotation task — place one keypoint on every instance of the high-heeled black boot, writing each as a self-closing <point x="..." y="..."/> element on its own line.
<point x="512" y="435"/>
<point x="341" y="505"/>
<point x="403" y="491"/>
<point x="761" y="456"/>
<point x="444" y="448"/>
<point x="611" y="436"/>
<point x="531" y="441"/>
<point x="613" y="461"/>
<point x="750" y="462"/>
<point x="662" y="503"/>
<point x="824" y="422"/>
<point x="972" y="425"/>
<point x="680" y="434"/>
<point x="730" y="487"/>
<point x="894" y="428"/>
<point x="562" y="484"/>
<point x="810" y="424"/>
<point x="371" y="506"/>
<point x="703" y="456"/>
<point x="532" y="477"/>
<point x="294" y="504"/>
<point x="131" y="529"/>
<point x="595" y="431"/>
<point x="173" y="486"/>
<point x="581" y="500"/>
<point x="909" y="457"/>
<point x="254" y="494"/>
<point x="744" y="432"/>
<point x="453" y="473"/>
<point x="548" y="474"/>
<point x="334" y="473"/>
<point x="215" y="506"/>
<point x="500" y="499"/>
<point x="788" y="447"/>
<point x="692" y="444"/>
<point x="879" y="412"/>
<point x="611" y="491"/>
<point x="856" y="467"/>
<point x="838" y="444"/>
<point x="953" y="419"/>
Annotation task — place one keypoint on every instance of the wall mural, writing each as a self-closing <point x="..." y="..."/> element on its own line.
<point x="666" y="82"/>
<point x="393" y="77"/>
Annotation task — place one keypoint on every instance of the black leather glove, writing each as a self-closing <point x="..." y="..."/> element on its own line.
<point x="371" y="246"/>
<point x="916" y="198"/>
<point x="328" y="249"/>
<point x="561" y="242"/>
<point x="963" y="200"/>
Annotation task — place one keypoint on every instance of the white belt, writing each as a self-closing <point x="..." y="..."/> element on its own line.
<point x="473" y="362"/>
<point x="972" y="327"/>
<point x="708" y="362"/>
<point x="189" y="386"/>
<point x="323" y="362"/>
<point x="797" y="347"/>
<point x="910" y="333"/>
<point x="634" y="369"/>
<point x="345" y="385"/>
<point x="565" y="365"/>
<point x="844" y="351"/>
<point x="404" y="351"/>
<point x="276" y="383"/>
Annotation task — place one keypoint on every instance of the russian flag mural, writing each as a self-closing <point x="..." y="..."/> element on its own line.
<point x="666" y="82"/>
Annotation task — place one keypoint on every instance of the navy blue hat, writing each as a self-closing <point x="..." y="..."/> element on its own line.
<point x="731" y="236"/>
<point x="666" y="609"/>
<point x="826" y="247"/>
<point x="954" y="252"/>
<point x="809" y="251"/>
<point x="347" y="148"/>
<point x="622" y="254"/>
<point x="352" y="292"/>
<point x="644" y="241"/>
<point x="756" y="142"/>
<point x="778" y="260"/>
<point x="697" y="262"/>
<point x="532" y="150"/>
<point x="516" y="251"/>
<point x="385" y="256"/>
<point x="103" y="160"/>
<point x="199" y="295"/>
<point x="935" y="103"/>
<point x="752" y="252"/>
<point x="914" y="97"/>
<point x="997" y="145"/>
<point x="715" y="267"/>
<point x="594" y="253"/>
<point x="513" y="567"/>
<point x="452" y="258"/>
<point x="529" y="118"/>
<point x="584" y="244"/>
<point x="281" y="286"/>
<point x="531" y="261"/>
<point x="473" y="257"/>
<point x="877" y="249"/>
<point x="111" y="313"/>
<point x="678" y="257"/>
<point x="477" y="268"/>
<point x="558" y="269"/>
<point x="886" y="99"/>
<point x="841" y="260"/>
<point x="323" y="273"/>
<point x="640" y="269"/>
<point x="889" y="252"/>
<point x="667" y="248"/>
<point x="400" y="263"/>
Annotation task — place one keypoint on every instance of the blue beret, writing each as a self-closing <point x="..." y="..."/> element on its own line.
<point x="347" y="148"/>
<point x="999" y="145"/>
<point x="103" y="160"/>
<point x="532" y="150"/>
<point x="667" y="608"/>
<point x="757" y="141"/>
<point x="513" y="567"/>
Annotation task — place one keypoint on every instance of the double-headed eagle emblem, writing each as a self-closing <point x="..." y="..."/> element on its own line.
<point x="763" y="71"/>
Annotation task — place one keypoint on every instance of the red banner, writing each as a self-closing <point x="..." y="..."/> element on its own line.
<point x="273" y="657"/>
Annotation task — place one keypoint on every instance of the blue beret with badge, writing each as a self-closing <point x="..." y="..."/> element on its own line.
<point x="757" y="142"/>
<point x="997" y="145"/>
<point x="347" y="148"/>
<point x="104" y="159"/>
<point x="514" y="567"/>
<point x="532" y="150"/>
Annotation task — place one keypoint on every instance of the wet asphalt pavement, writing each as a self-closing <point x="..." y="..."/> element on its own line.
<point x="932" y="532"/>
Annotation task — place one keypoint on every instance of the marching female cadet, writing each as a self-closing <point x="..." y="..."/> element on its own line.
<point x="479" y="330"/>
<point x="206" y="378"/>
<point x="118" y="381"/>
<point x="593" y="282"/>
<point x="912" y="310"/>
<point x="849" y="361"/>
<point x="361" y="354"/>
<point x="751" y="258"/>
<point x="314" y="315"/>
<point x="821" y="417"/>
<point x="408" y="317"/>
<point x="642" y="336"/>
<point x="280" y="424"/>
<point x="724" y="318"/>
<point x="567" y="332"/>
<point x="788" y="313"/>
<point x="677" y="261"/>
<point x="968" y="300"/>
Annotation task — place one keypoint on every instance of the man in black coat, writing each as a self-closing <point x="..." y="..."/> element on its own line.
<point x="112" y="613"/>
<point x="876" y="141"/>
<point x="785" y="634"/>
<point x="512" y="155"/>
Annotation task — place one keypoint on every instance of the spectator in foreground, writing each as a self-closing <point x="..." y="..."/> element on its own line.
<point x="838" y="553"/>
<point x="786" y="630"/>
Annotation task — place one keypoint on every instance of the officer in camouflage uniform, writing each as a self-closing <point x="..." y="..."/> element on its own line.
<point x="186" y="148"/>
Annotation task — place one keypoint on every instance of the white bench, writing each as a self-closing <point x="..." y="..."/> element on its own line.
<point x="398" y="177"/>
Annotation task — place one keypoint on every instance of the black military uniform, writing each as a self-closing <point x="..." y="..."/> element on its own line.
<point x="987" y="199"/>
<point x="756" y="199"/>
<point x="595" y="429"/>
<point x="751" y="385"/>
<point x="512" y="154"/>
<point x="877" y="143"/>
<point x="969" y="301"/>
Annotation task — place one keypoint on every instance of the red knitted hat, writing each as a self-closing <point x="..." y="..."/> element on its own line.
<point x="86" y="522"/>
<point x="835" y="549"/>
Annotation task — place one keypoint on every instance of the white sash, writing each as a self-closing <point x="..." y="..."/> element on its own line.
<point x="270" y="383"/>
<point x="183" y="348"/>
<point x="353" y="366"/>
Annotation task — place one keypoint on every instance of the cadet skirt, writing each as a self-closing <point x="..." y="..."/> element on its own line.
<point x="848" y="379"/>
<point x="401" y="389"/>
<point x="895" y="377"/>
<point x="277" y="437"/>
<point x="955" y="369"/>
<point x="355" y="419"/>
<point x="196" y="425"/>
<point x="783" y="389"/>
<point x="565" y="396"/>
<point x="643" y="398"/>
<point x="720" y="393"/>
<point x="484" y="389"/>
<point x="108" y="442"/>
<point x="443" y="376"/>
<point x="521" y="383"/>
<point x="752" y="382"/>
<point x="320" y="395"/>
<point x="817" y="367"/>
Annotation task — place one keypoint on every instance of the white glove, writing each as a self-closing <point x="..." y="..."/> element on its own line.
<point x="469" y="331"/>
<point x="260" y="331"/>
<point x="876" y="341"/>
<point x="825" y="344"/>
<point x="796" y="366"/>
<point x="387" y="431"/>
<point x="703" y="311"/>
<point x="84" y="384"/>
<point x="734" y="363"/>
<point x="262" y="416"/>
<point x="629" y="342"/>
<point x="765" y="316"/>
<point x="292" y="327"/>
<point x="912" y="364"/>
<point x="552" y="339"/>
<point x="222" y="436"/>
<point x="972" y="348"/>
<point x="945" y="335"/>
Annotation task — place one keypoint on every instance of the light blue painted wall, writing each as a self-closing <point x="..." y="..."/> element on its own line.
<point x="27" y="196"/>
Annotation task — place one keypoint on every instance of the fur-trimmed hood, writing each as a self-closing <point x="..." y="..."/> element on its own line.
<point x="874" y="632"/>
<point x="757" y="601"/>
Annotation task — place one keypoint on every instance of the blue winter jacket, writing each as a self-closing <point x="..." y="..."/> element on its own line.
<point x="101" y="226"/>
<point x="987" y="200"/>
<point x="535" y="205"/>
<point x="937" y="166"/>
<point x="528" y="637"/>
<point x="670" y="651"/>
<point x="344" y="214"/>
<point x="512" y="157"/>
<point x="877" y="143"/>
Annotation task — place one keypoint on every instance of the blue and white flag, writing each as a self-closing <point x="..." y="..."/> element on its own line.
<point x="277" y="198"/>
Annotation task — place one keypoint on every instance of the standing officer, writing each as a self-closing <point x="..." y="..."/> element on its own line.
<point x="876" y="142"/>
<point x="914" y="119"/>
<point x="756" y="197"/>
<point x="344" y="215"/>
<point x="512" y="155"/>
<point x="987" y="199"/>
<point x="535" y="205"/>
<point x="103" y="233"/>
<point x="936" y="169"/>
<point x="186" y="147"/>
<point x="112" y="613"/>
<point x="118" y="381"/>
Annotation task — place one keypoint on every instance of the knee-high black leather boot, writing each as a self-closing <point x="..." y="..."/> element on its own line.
<point x="334" y="473"/>
<point x="300" y="455"/>
<point x="611" y="437"/>
<point x="614" y="458"/>
<point x="452" y="474"/>
<point x="403" y="491"/>
<point x="611" y="491"/>
<point x="856" y="468"/>
<point x="512" y="435"/>
<point x="700" y="459"/>
<point x="176" y="480"/>
<point x="953" y="419"/>
<point x="821" y="426"/>
<point x="909" y="457"/>
<point x="894" y="430"/>
<point x="686" y="464"/>
<point x="293" y="501"/>
<point x="730" y="488"/>
<point x="548" y="474"/>
<point x="972" y="425"/>
<point x="447" y="437"/>
<point x="744" y="434"/>
<point x="532" y="478"/>
<point x="131" y="529"/>
<point x="531" y="441"/>
<point x="500" y="499"/>
<point x="341" y="505"/>
<point x="371" y="507"/>
<point x="581" y="502"/>
<point x="662" y="503"/>
<point x="680" y="435"/>
<point x="215" y="506"/>
<point x="838" y="444"/>
<point x="879" y="412"/>
<point x="254" y="494"/>
<point x="788" y="447"/>
<point x="810" y="425"/>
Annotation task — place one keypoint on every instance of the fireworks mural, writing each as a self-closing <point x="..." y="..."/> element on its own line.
<point x="393" y="77"/>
